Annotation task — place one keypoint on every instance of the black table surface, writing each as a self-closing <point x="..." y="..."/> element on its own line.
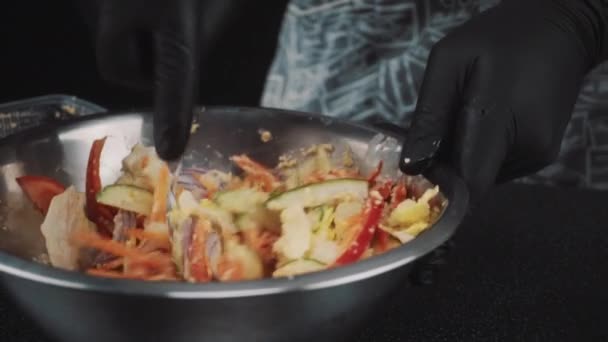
<point x="529" y="265"/>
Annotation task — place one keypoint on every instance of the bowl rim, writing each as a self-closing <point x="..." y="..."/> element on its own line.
<point x="452" y="186"/>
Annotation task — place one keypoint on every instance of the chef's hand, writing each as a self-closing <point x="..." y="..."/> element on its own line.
<point x="499" y="91"/>
<point x="145" y="43"/>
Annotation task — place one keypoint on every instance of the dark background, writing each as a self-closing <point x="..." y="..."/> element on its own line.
<point x="529" y="266"/>
<point x="47" y="47"/>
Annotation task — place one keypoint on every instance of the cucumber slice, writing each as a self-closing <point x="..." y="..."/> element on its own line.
<point x="299" y="266"/>
<point x="316" y="194"/>
<point x="323" y="229"/>
<point x="321" y="217"/>
<point x="259" y="219"/>
<point x="323" y="250"/>
<point x="216" y="215"/>
<point x="241" y="201"/>
<point x="127" y="197"/>
<point x="315" y="215"/>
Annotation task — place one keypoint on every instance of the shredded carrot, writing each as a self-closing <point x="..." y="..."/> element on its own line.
<point x="251" y="167"/>
<point x="161" y="191"/>
<point x="259" y="182"/>
<point x="261" y="242"/>
<point x="110" y="265"/>
<point x="316" y="177"/>
<point x="205" y="182"/>
<point x="163" y="277"/>
<point x="248" y="182"/>
<point x="235" y="183"/>
<point x="107" y="274"/>
<point x="178" y="190"/>
<point x="135" y="276"/>
<point x="197" y="254"/>
<point x="160" y="240"/>
<point x="345" y="173"/>
<point x="230" y="270"/>
<point x="152" y="260"/>
<point x="145" y="161"/>
<point x="135" y="256"/>
<point x="355" y="219"/>
<point x="93" y="240"/>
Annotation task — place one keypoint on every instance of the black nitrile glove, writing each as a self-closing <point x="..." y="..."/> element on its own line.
<point x="155" y="42"/>
<point x="499" y="91"/>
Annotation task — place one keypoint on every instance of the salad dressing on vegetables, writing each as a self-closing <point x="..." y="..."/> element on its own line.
<point x="307" y="214"/>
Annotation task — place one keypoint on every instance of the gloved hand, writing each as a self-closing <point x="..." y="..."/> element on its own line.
<point x="499" y="91"/>
<point x="155" y="42"/>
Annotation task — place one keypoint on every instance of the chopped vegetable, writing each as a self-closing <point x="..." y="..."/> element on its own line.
<point x="323" y="250"/>
<point x="345" y="211"/>
<point x="198" y="268"/>
<point x="259" y="219"/>
<point x="319" y="193"/>
<point x="260" y="173"/>
<point x="217" y="215"/>
<point x="296" y="233"/>
<point x="381" y="240"/>
<point x="372" y="178"/>
<point x="241" y="201"/>
<point x="127" y="197"/>
<point x="401" y="235"/>
<point x="411" y="211"/>
<point x="239" y="262"/>
<point x="399" y="194"/>
<point x="297" y="267"/>
<point x="359" y="245"/>
<point x="323" y="229"/>
<point x="40" y="190"/>
<point x="64" y="218"/>
<point x="101" y="215"/>
<point x="305" y="215"/>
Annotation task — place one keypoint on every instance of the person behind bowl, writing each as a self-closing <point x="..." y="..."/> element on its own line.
<point x="492" y="97"/>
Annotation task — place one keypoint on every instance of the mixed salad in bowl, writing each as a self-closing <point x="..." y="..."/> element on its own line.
<point x="313" y="211"/>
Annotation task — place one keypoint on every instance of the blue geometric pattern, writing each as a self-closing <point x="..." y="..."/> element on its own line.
<point x="358" y="58"/>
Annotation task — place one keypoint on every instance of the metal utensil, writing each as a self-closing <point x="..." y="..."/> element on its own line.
<point x="323" y="306"/>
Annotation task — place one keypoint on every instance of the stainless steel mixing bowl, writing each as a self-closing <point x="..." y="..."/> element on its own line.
<point x="73" y="307"/>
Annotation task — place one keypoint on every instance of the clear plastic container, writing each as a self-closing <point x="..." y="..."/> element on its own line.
<point x="23" y="114"/>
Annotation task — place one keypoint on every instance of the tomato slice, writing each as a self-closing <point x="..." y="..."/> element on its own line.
<point x="40" y="190"/>
<point x="101" y="215"/>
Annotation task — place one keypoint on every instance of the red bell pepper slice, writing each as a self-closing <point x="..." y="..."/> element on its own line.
<point x="399" y="194"/>
<point x="381" y="240"/>
<point x="364" y="237"/>
<point x="385" y="190"/>
<point x="40" y="190"/>
<point x="99" y="214"/>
